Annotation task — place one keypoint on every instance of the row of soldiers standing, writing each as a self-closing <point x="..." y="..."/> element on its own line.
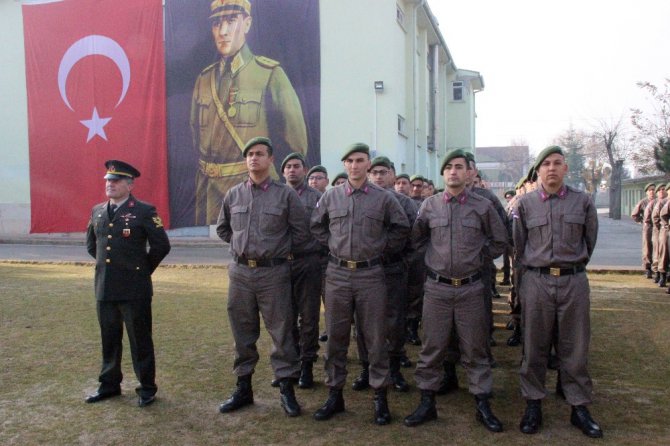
<point x="364" y="233"/>
<point x="653" y="211"/>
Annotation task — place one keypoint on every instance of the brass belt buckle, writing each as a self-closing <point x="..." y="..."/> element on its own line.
<point x="351" y="264"/>
<point x="456" y="282"/>
<point x="252" y="263"/>
<point x="556" y="272"/>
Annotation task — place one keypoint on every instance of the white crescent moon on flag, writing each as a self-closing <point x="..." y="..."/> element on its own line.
<point x="89" y="46"/>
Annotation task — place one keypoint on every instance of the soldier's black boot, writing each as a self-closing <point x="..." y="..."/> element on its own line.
<point x="581" y="419"/>
<point x="382" y="413"/>
<point x="334" y="404"/>
<point x="287" y="397"/>
<point x="657" y="277"/>
<point x="242" y="396"/>
<point x="648" y="273"/>
<point x="413" y="331"/>
<point x="532" y="417"/>
<point x="515" y="339"/>
<point x="450" y="380"/>
<point x="426" y="410"/>
<point x="397" y="379"/>
<point x="661" y="283"/>
<point x="306" y="380"/>
<point x="362" y="382"/>
<point x="485" y="415"/>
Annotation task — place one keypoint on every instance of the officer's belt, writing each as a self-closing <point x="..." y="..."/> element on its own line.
<point x="556" y="271"/>
<point x="255" y="263"/>
<point x="217" y="170"/>
<point x="354" y="264"/>
<point x="453" y="281"/>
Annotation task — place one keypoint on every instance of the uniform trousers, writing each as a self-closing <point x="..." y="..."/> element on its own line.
<point x="555" y="309"/>
<point x="647" y="246"/>
<point x="264" y="290"/>
<point x="306" y="293"/>
<point x="360" y="293"/>
<point x="663" y="249"/>
<point x="450" y="311"/>
<point x="415" y="278"/>
<point x="209" y="192"/>
<point x="396" y="291"/>
<point x="136" y="314"/>
<point x="654" y="249"/>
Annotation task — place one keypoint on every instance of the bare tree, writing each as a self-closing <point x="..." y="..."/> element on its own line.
<point x="614" y="146"/>
<point x="652" y="126"/>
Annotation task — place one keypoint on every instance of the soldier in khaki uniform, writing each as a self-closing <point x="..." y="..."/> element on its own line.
<point x="555" y="232"/>
<point x="664" y="217"/>
<point x="306" y="274"/>
<point x="402" y="184"/>
<point x="240" y="97"/>
<point x="362" y="224"/>
<point x="661" y="196"/>
<point x="460" y="230"/>
<point x="317" y="178"/>
<point x="648" y="232"/>
<point x="638" y="216"/>
<point x="264" y="221"/>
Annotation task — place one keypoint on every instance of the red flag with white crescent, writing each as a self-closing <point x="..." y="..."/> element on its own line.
<point x="95" y="75"/>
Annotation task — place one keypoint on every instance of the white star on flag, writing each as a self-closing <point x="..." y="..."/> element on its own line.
<point x="96" y="125"/>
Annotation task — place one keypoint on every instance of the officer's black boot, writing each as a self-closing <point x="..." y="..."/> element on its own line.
<point x="450" y="380"/>
<point x="532" y="417"/>
<point x="581" y="419"/>
<point x="363" y="380"/>
<point x="397" y="379"/>
<point x="382" y="413"/>
<point x="287" y="397"/>
<point x="515" y="339"/>
<point x="426" y="410"/>
<point x="306" y="380"/>
<point x="334" y="404"/>
<point x="661" y="283"/>
<point x="413" y="331"/>
<point x="485" y="415"/>
<point x="657" y="277"/>
<point x="242" y="396"/>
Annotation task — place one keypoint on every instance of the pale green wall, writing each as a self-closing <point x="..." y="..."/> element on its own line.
<point x="13" y="108"/>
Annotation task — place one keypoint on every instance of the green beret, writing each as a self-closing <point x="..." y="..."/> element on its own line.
<point x="667" y="186"/>
<point x="317" y="168"/>
<point x="355" y="148"/>
<point x="416" y="177"/>
<point x="455" y="153"/>
<point x="520" y="183"/>
<point x="531" y="175"/>
<point x="257" y="140"/>
<point x="293" y="156"/>
<point x="469" y="156"/>
<point x="381" y="161"/>
<point x="648" y="185"/>
<point x="511" y="192"/>
<point x="660" y="186"/>
<point x="402" y="175"/>
<point x="338" y="176"/>
<point x="545" y="153"/>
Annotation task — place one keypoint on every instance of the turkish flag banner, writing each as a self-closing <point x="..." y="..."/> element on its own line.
<point x="95" y="75"/>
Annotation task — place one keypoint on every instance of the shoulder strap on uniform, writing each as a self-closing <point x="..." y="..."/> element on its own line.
<point x="266" y="62"/>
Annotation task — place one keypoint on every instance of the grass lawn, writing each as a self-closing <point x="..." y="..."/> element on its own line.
<point x="50" y="353"/>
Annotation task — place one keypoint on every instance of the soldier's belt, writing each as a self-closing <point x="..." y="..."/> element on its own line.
<point x="451" y="280"/>
<point x="255" y="263"/>
<point x="354" y="264"/>
<point x="217" y="170"/>
<point x="556" y="271"/>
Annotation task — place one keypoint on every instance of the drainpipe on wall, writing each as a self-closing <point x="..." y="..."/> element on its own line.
<point x="414" y="81"/>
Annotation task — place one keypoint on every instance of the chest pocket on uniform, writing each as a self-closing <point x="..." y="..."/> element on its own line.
<point x="272" y="221"/>
<point x="247" y="107"/>
<point x="472" y="228"/>
<point x="439" y="229"/>
<point x="373" y="223"/>
<point x="338" y="220"/>
<point x="239" y="216"/>
<point x="573" y="228"/>
<point x="538" y="229"/>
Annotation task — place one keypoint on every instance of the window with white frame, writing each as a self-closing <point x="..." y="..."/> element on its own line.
<point x="457" y="91"/>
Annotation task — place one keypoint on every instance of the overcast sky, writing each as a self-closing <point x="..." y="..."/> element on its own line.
<point x="549" y="64"/>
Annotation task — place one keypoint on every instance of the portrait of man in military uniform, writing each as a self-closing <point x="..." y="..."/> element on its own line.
<point x="237" y="98"/>
<point x="236" y="70"/>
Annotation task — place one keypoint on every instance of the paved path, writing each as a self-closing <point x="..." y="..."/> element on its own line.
<point x="618" y="248"/>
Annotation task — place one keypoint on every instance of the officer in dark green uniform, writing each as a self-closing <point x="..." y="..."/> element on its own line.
<point x="117" y="237"/>
<point x="234" y="100"/>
